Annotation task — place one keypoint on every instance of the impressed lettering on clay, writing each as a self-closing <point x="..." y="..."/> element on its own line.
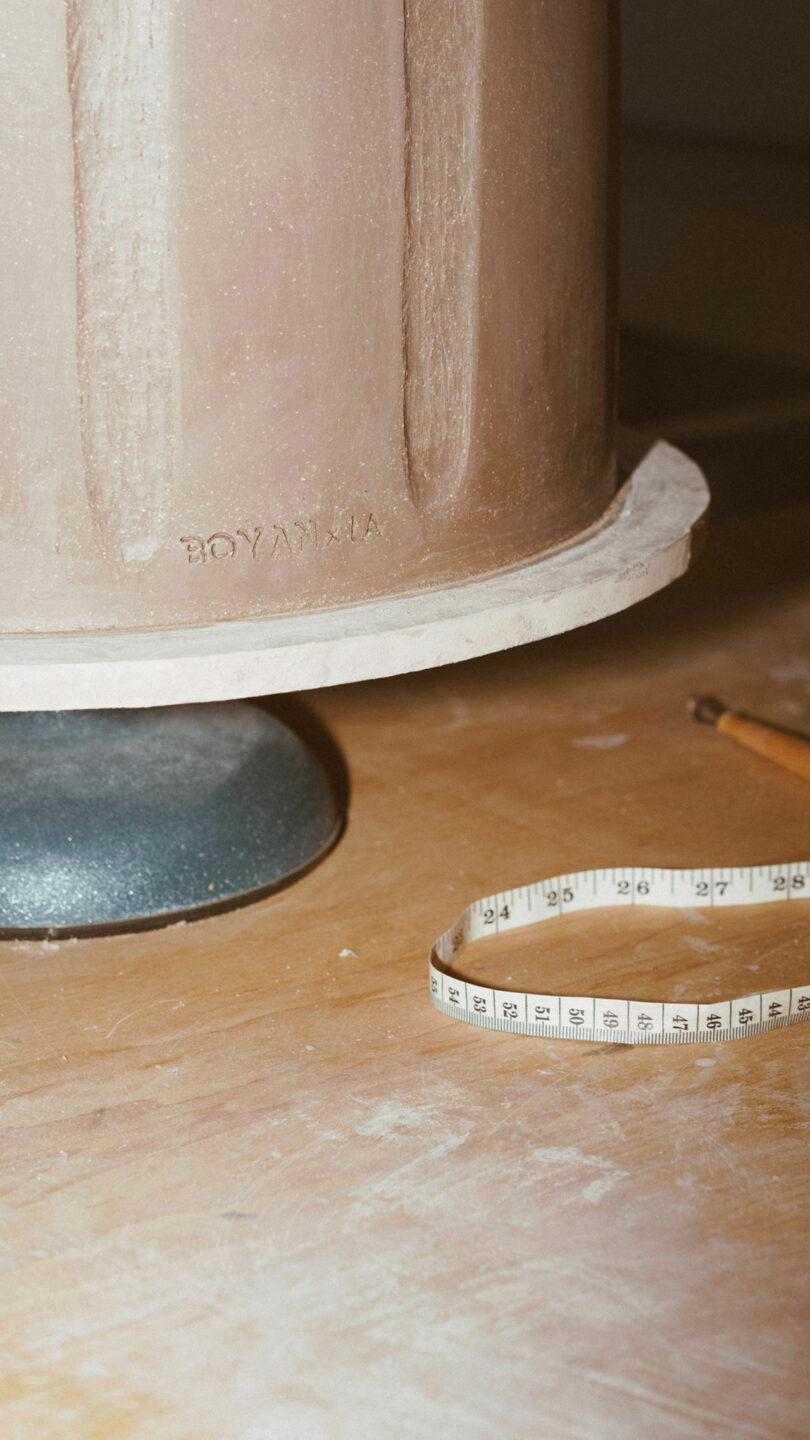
<point x="279" y="542"/>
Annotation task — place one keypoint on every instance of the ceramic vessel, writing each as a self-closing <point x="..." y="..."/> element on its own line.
<point x="304" y="304"/>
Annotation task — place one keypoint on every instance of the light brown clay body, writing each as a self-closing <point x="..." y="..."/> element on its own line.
<point x="303" y="304"/>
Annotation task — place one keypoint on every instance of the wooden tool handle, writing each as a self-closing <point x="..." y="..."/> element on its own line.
<point x="789" y="751"/>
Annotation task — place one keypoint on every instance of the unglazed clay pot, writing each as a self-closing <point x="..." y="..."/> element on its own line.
<point x="306" y="302"/>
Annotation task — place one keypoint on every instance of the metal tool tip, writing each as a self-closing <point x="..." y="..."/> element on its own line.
<point x="705" y="709"/>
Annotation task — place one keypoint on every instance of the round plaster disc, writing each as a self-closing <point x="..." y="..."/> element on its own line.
<point x="643" y="543"/>
<point x="119" y="818"/>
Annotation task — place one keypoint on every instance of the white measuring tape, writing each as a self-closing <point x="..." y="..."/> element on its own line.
<point x="628" y="1022"/>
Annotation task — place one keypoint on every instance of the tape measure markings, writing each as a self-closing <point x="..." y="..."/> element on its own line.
<point x="572" y="1017"/>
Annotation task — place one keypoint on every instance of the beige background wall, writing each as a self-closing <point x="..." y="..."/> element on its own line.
<point x="723" y="69"/>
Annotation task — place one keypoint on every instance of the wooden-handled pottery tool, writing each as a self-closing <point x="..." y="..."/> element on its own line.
<point x="792" y="752"/>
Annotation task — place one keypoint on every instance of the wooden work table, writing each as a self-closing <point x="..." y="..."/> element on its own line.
<point x="255" y="1188"/>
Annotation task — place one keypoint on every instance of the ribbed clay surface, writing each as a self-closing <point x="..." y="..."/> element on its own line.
<point x="305" y="304"/>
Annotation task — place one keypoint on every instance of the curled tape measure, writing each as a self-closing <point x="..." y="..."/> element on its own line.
<point x="628" y="1022"/>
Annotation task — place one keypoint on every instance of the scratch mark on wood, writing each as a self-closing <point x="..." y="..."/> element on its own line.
<point x="173" y="1001"/>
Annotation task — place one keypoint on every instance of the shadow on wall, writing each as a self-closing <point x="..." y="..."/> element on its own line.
<point x="715" y="320"/>
<point x="715" y="260"/>
<point x="732" y="70"/>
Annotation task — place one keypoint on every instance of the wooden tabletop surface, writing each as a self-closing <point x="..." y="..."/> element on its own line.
<point x="253" y="1187"/>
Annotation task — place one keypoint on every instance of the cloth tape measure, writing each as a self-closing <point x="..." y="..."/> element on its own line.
<point x="626" y="1022"/>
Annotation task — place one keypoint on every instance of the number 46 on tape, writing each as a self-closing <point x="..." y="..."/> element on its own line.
<point x="578" y="1017"/>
